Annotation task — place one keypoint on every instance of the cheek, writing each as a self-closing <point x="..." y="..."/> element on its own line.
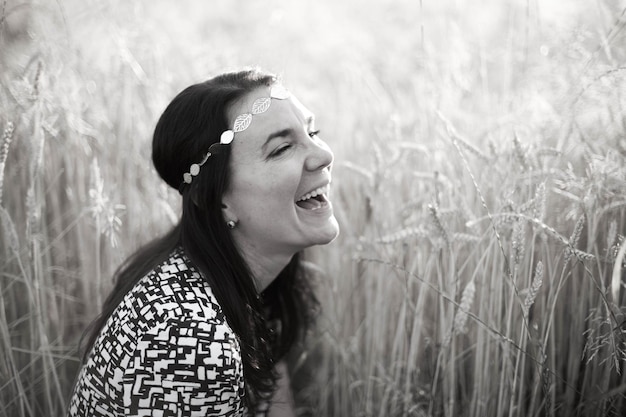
<point x="280" y="192"/>
<point x="265" y="194"/>
<point x="264" y="190"/>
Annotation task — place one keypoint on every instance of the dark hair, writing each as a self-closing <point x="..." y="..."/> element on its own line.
<point x="189" y="125"/>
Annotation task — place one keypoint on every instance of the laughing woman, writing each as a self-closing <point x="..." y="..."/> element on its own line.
<point x="200" y="319"/>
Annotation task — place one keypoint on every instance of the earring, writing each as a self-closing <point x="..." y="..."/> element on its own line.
<point x="231" y="224"/>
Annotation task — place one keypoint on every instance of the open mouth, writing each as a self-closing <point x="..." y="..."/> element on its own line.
<point x="314" y="200"/>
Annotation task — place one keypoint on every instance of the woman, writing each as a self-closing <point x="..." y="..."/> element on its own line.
<point x="200" y="319"/>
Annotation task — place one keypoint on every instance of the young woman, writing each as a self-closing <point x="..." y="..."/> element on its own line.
<point x="200" y="319"/>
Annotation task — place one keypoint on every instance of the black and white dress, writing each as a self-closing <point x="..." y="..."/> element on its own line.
<point x="166" y="350"/>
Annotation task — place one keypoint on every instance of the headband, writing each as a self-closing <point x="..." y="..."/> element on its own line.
<point x="260" y="105"/>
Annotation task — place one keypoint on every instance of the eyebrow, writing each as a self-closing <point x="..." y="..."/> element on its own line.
<point x="285" y="132"/>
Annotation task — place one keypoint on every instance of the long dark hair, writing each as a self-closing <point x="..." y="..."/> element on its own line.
<point x="189" y="125"/>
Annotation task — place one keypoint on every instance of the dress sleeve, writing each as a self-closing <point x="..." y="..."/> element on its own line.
<point x="185" y="368"/>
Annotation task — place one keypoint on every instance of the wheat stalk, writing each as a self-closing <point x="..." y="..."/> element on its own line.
<point x="616" y="276"/>
<point x="7" y="137"/>
<point x="612" y="234"/>
<point x="539" y="211"/>
<point x="403" y="234"/>
<point x="534" y="289"/>
<point x="467" y="298"/>
<point x="443" y="233"/>
<point x="520" y="153"/>
<point x="517" y="241"/>
<point x="573" y="240"/>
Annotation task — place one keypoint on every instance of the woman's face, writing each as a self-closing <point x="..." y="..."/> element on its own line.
<point x="279" y="180"/>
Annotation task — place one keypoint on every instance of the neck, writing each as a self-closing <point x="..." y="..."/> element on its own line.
<point x="265" y="267"/>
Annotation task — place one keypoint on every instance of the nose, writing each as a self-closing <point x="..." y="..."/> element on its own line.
<point x="320" y="156"/>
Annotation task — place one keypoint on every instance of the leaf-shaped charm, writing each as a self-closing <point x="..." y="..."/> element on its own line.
<point x="279" y="92"/>
<point x="261" y="105"/>
<point x="242" y="122"/>
<point x="227" y="137"/>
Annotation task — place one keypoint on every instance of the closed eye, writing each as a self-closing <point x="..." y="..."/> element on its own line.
<point x="280" y="150"/>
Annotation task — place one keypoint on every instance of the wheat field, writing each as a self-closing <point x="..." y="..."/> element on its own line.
<point x="479" y="182"/>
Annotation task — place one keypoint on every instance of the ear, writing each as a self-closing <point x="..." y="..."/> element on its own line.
<point x="228" y="213"/>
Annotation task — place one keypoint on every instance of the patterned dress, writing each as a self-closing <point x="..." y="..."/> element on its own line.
<point x="166" y="350"/>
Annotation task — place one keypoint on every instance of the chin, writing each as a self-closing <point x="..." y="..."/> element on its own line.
<point x="329" y="234"/>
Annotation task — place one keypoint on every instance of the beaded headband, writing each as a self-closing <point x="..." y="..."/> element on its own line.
<point x="260" y="105"/>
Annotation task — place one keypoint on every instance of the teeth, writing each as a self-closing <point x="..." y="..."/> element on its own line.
<point x="315" y="193"/>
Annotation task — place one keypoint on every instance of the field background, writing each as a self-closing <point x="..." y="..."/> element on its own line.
<point x="480" y="184"/>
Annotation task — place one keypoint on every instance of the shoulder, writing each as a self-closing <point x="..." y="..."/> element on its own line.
<point x="184" y="366"/>
<point x="172" y="291"/>
<point x="175" y="288"/>
<point x="167" y="341"/>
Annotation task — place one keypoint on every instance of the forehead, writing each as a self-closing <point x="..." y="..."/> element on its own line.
<point x="289" y="109"/>
<point x="289" y="112"/>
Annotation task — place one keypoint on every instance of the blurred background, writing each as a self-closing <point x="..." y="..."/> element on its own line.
<point x="479" y="182"/>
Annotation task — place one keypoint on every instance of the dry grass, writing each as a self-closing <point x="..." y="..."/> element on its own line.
<point x="480" y="182"/>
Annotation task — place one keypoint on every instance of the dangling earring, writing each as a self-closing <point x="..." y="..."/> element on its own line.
<point x="231" y="224"/>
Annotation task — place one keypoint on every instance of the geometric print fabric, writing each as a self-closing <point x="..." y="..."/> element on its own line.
<point x="166" y="350"/>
